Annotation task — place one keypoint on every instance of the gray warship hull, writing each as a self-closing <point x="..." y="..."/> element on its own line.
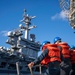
<point x="13" y="72"/>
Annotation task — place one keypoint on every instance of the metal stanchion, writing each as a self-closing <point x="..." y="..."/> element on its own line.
<point x="39" y="69"/>
<point x="31" y="70"/>
<point x="17" y="67"/>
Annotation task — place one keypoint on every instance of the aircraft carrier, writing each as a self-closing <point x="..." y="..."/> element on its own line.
<point x="23" y="49"/>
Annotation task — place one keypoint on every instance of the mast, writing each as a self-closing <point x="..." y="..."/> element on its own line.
<point x="27" y="21"/>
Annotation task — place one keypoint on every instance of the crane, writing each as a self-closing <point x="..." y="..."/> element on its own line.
<point x="68" y="6"/>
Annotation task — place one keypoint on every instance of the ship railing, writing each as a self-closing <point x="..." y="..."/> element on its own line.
<point x="40" y="69"/>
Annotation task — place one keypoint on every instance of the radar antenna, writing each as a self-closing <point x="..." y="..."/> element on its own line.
<point x="27" y="21"/>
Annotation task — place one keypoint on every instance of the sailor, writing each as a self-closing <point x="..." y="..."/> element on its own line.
<point x="65" y="51"/>
<point x="72" y="52"/>
<point x="50" y="56"/>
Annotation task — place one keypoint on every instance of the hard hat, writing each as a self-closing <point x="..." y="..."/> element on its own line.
<point x="57" y="39"/>
<point x="72" y="47"/>
<point x="45" y="42"/>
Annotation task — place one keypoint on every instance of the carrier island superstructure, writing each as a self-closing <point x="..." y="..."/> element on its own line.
<point x="14" y="60"/>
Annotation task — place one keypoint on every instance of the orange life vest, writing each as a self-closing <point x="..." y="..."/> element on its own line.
<point x="72" y="53"/>
<point x="53" y="54"/>
<point x="65" y="49"/>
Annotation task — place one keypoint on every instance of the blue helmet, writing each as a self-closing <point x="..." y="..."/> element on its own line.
<point x="57" y="39"/>
<point x="72" y="47"/>
<point x="45" y="42"/>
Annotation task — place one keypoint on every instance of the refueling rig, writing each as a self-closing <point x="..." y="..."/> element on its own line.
<point x="68" y="6"/>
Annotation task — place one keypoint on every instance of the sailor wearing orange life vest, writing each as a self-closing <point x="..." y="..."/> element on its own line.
<point x="72" y="53"/>
<point x="51" y="57"/>
<point x="65" y="51"/>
